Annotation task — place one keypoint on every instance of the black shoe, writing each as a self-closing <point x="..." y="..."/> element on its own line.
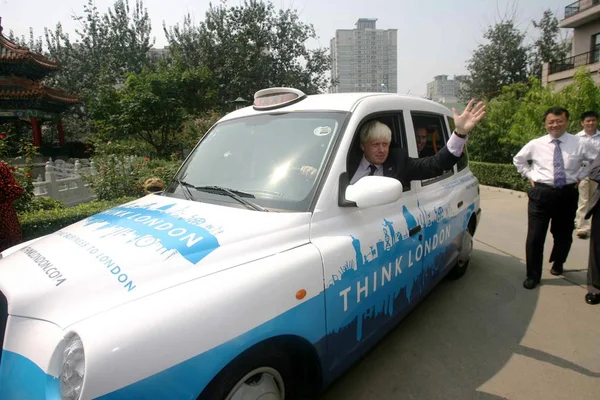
<point x="592" y="299"/>
<point x="557" y="269"/>
<point x="529" y="283"/>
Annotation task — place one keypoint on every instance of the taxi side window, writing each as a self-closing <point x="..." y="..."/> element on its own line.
<point x="463" y="161"/>
<point x="437" y="137"/>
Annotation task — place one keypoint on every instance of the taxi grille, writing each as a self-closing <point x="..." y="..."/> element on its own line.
<point x="3" y="321"/>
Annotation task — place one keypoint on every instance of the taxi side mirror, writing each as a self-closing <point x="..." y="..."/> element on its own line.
<point x="372" y="191"/>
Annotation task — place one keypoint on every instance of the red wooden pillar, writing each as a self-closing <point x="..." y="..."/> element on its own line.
<point x="61" y="133"/>
<point x="37" y="133"/>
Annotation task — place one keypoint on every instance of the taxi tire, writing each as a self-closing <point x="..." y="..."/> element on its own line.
<point x="459" y="270"/>
<point x="261" y="356"/>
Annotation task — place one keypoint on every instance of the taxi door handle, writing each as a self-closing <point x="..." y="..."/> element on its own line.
<point x="414" y="230"/>
<point x="460" y="203"/>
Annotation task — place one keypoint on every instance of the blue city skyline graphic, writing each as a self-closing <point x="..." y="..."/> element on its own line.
<point x="384" y="299"/>
<point x="158" y="228"/>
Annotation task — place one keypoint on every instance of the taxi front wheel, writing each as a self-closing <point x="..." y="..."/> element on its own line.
<point x="266" y="376"/>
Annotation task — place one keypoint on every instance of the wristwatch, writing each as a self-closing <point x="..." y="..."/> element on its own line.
<point x="460" y="135"/>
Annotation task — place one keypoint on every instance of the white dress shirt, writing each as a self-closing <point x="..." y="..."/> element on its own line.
<point x="455" y="146"/>
<point x="540" y="152"/>
<point x="364" y="170"/>
<point x="593" y="141"/>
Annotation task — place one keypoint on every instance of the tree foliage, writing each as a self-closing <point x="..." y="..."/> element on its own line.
<point x="503" y="61"/>
<point x="505" y="58"/>
<point x="105" y="48"/>
<point x="153" y="105"/>
<point x="250" y="47"/>
<point x="32" y="43"/>
<point x="516" y="115"/>
<point x="549" y="46"/>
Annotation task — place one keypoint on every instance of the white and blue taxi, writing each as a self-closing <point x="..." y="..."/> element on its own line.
<point x="246" y="278"/>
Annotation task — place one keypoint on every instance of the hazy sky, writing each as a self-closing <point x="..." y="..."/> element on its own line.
<point x="434" y="36"/>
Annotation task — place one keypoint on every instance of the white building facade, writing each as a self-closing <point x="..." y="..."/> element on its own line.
<point x="365" y="59"/>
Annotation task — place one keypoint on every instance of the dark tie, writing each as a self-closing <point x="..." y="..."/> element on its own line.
<point x="372" y="168"/>
<point x="560" y="178"/>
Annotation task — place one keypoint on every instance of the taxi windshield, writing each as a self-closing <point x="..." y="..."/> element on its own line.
<point x="269" y="162"/>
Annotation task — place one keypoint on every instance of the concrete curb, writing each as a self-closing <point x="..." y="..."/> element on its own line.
<point x="509" y="191"/>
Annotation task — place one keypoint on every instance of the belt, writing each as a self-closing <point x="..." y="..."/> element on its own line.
<point x="569" y="186"/>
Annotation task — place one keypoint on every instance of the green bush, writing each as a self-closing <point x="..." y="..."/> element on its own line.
<point x="499" y="175"/>
<point x="39" y="203"/>
<point x="122" y="176"/>
<point x="43" y="222"/>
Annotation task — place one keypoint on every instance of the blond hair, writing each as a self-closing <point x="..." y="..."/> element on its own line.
<point x="375" y="130"/>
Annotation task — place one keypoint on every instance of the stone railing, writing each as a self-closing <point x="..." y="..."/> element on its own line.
<point x="63" y="181"/>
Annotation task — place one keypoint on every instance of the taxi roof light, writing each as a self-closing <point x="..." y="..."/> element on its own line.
<point x="271" y="98"/>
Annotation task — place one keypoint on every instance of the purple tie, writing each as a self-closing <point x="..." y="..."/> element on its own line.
<point x="560" y="178"/>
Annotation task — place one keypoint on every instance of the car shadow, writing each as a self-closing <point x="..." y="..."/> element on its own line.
<point x="457" y="339"/>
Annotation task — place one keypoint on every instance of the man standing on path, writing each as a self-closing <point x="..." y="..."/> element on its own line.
<point x="556" y="168"/>
<point x="587" y="187"/>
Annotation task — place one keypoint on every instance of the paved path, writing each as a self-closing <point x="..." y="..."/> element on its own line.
<point x="484" y="336"/>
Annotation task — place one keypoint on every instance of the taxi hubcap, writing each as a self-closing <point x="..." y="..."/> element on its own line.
<point x="261" y="384"/>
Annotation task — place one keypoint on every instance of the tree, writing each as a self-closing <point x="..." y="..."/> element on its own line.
<point x="107" y="46"/>
<point x="153" y="105"/>
<point x="34" y="44"/>
<point x="251" y="47"/>
<point x="501" y="62"/>
<point x="549" y="47"/>
<point x="516" y="115"/>
<point x="488" y="141"/>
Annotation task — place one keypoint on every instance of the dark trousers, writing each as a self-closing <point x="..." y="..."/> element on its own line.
<point x="549" y="205"/>
<point x="593" y="273"/>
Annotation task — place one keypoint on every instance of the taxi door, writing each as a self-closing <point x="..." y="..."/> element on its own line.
<point x="444" y="203"/>
<point x="372" y="258"/>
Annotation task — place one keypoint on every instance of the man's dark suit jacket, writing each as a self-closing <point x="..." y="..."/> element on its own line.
<point x="426" y="152"/>
<point x="595" y="176"/>
<point x="404" y="168"/>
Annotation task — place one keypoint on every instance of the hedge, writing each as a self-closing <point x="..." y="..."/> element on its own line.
<point x="43" y="222"/>
<point x="499" y="175"/>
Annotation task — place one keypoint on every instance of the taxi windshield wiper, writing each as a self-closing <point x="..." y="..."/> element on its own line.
<point x="235" y="194"/>
<point x="187" y="193"/>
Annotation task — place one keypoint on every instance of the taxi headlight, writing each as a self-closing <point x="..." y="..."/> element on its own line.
<point x="73" y="369"/>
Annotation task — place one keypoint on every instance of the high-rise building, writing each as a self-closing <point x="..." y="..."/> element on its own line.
<point x="444" y="90"/>
<point x="365" y="59"/>
<point x="158" y="54"/>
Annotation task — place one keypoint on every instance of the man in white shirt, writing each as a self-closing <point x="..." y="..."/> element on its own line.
<point x="557" y="165"/>
<point x="587" y="187"/>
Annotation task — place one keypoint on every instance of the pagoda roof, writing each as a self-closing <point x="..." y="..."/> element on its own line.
<point x="20" y="61"/>
<point x="23" y="93"/>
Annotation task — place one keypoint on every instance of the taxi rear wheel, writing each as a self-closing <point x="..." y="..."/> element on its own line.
<point x="264" y="375"/>
<point x="464" y="255"/>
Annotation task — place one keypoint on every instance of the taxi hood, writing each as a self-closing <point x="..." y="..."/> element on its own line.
<point x="134" y="250"/>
